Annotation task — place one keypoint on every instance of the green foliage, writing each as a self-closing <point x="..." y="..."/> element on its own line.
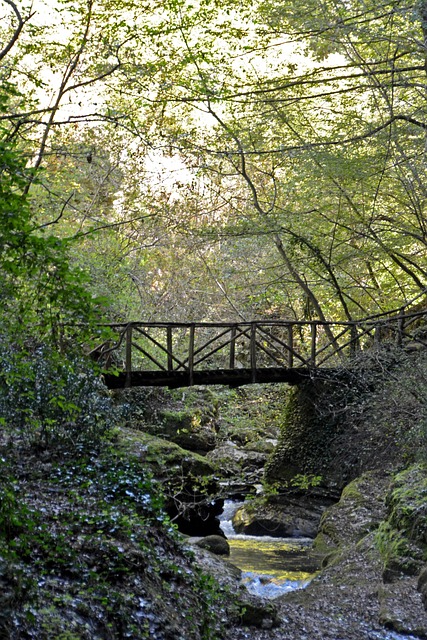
<point x="40" y="291"/>
<point x="393" y="545"/>
<point x="305" y="481"/>
<point x="288" y="178"/>
<point x="15" y="517"/>
<point x="50" y="400"/>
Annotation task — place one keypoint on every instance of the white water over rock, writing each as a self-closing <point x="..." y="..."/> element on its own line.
<point x="269" y="565"/>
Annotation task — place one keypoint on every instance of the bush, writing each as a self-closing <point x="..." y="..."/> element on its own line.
<point x="47" y="399"/>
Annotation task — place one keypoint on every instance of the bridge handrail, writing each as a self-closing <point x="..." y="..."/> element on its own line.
<point x="266" y="322"/>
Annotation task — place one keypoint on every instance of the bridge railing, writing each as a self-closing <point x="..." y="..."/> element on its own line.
<point x="203" y="346"/>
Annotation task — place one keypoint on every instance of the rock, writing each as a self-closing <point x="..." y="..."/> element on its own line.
<point x="231" y="460"/>
<point x="214" y="544"/>
<point x="220" y="568"/>
<point x="195" y="518"/>
<point x="256" y="612"/>
<point x="251" y="610"/>
<point x="264" y="445"/>
<point x="422" y="585"/>
<point x="165" y="456"/>
<point x="191" y="484"/>
<point x="289" y="515"/>
<point x="199" y="441"/>
<point x="398" y="601"/>
<point x="326" y="433"/>
<point x="360" y="510"/>
<point x="192" y="428"/>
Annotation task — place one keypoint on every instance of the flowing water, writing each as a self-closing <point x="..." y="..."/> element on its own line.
<point x="271" y="566"/>
<point x="274" y="566"/>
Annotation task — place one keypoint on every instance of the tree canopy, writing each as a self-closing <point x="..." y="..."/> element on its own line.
<point x="206" y="160"/>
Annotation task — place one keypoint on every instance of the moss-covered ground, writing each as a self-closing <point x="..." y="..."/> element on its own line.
<point x="87" y="552"/>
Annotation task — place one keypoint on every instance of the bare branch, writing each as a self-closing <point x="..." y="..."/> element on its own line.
<point x="21" y="23"/>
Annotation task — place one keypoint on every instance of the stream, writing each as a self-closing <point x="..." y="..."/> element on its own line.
<point x="271" y="566"/>
<point x="274" y="566"/>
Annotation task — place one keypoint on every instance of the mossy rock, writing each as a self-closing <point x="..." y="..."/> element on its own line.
<point x="360" y="510"/>
<point x="265" y="445"/>
<point x="407" y="503"/>
<point x="177" y="420"/>
<point x="200" y="440"/>
<point x="255" y="612"/>
<point x="401" y="538"/>
<point x="165" y="456"/>
<point x="214" y="544"/>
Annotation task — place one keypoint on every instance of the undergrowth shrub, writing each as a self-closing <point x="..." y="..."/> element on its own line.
<point x="48" y="399"/>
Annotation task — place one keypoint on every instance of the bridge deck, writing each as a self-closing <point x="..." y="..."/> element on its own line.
<point x="230" y="377"/>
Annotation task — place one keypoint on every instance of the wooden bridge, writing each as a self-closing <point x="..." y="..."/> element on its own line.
<point x="238" y="353"/>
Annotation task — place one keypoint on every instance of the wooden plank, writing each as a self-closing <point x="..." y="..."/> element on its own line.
<point x="232" y="361"/>
<point x="253" y="351"/>
<point x="169" y="347"/>
<point x="313" y="326"/>
<point x="228" y="377"/>
<point x="291" y="346"/>
<point x="128" y="364"/>
<point x="191" y="356"/>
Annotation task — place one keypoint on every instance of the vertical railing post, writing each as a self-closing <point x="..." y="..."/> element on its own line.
<point x="191" y="356"/>
<point x="377" y="335"/>
<point x="169" y="347"/>
<point x="400" y="328"/>
<point x="291" y="345"/>
<point x="313" y="344"/>
<point x="354" y="344"/>
<point x="253" y="351"/>
<point x="128" y="381"/>
<point x="233" y="347"/>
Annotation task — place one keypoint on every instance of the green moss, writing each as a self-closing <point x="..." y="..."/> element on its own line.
<point x="353" y="492"/>
<point x="311" y="421"/>
<point x="407" y="502"/>
<point x="165" y="455"/>
<point x="181" y="420"/>
<point x="401" y="538"/>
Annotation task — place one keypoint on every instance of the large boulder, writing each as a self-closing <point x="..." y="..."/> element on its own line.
<point x="357" y="515"/>
<point x="249" y="610"/>
<point x="232" y="460"/>
<point x="312" y="425"/>
<point x="187" y="418"/>
<point x="189" y="481"/>
<point x="290" y="515"/>
<point x="164" y="457"/>
<point x="214" y="544"/>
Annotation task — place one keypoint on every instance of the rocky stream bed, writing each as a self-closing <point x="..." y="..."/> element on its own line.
<point x="351" y="597"/>
<point x="91" y="551"/>
<point x="367" y="539"/>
